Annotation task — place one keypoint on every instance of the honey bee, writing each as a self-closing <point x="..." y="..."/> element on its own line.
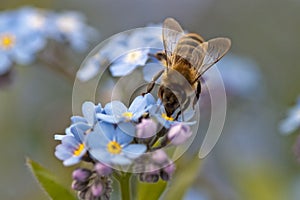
<point x="185" y="57"/>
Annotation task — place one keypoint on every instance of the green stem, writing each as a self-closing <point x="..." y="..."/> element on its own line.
<point x="125" y="184"/>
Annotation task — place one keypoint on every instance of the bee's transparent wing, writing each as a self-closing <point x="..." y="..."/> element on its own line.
<point x="214" y="49"/>
<point x="201" y="55"/>
<point x="191" y="48"/>
<point x="171" y="34"/>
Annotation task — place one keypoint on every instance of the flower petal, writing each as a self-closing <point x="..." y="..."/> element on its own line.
<point x="88" y="111"/>
<point x="122" y="137"/>
<point x="150" y="70"/>
<point x="97" y="139"/>
<point x="138" y="103"/>
<point x="78" y="130"/>
<point x="108" y="130"/>
<point x="108" y="118"/>
<point x="72" y="161"/>
<point x="101" y="155"/>
<point x="134" y="150"/>
<point x="120" y="160"/>
<point x="115" y="108"/>
<point x="76" y="119"/>
<point x="127" y="128"/>
<point x="121" y="69"/>
<point x="59" y="137"/>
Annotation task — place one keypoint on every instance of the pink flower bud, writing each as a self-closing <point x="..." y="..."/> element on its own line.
<point x="147" y="128"/>
<point x="159" y="156"/>
<point x="102" y="170"/>
<point x="179" y="133"/>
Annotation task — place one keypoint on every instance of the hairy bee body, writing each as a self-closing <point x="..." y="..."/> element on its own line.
<point x="186" y="70"/>
<point x="186" y="57"/>
<point x="177" y="86"/>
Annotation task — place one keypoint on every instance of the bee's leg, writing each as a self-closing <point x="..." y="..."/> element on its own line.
<point x="152" y="83"/>
<point x="161" y="56"/>
<point x="186" y="105"/>
<point x="198" y="91"/>
<point x="183" y="105"/>
<point x="179" y="112"/>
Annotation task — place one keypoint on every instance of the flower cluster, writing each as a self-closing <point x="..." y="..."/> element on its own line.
<point x="141" y="44"/>
<point x="25" y="31"/>
<point x="114" y="136"/>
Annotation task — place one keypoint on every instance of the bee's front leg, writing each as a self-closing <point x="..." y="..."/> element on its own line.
<point x="152" y="83"/>
<point x="198" y="91"/>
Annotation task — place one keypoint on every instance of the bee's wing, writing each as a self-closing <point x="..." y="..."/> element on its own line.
<point x="201" y="55"/>
<point x="190" y="47"/>
<point x="214" y="50"/>
<point x="171" y="34"/>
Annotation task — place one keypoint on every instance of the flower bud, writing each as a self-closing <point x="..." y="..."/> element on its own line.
<point x="79" y="186"/>
<point x="147" y="128"/>
<point x="179" y="133"/>
<point x="152" y="174"/>
<point x="149" y="177"/>
<point x="159" y="156"/>
<point x="81" y="175"/>
<point x="167" y="172"/>
<point x="102" y="170"/>
<point x="97" y="189"/>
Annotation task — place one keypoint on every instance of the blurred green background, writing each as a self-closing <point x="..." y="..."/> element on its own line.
<point x="250" y="161"/>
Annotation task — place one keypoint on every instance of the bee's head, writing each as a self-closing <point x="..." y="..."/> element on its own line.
<point x="169" y="100"/>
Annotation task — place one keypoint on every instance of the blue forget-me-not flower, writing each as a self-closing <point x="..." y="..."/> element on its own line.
<point x="116" y="111"/>
<point x="25" y="31"/>
<point x="110" y="145"/>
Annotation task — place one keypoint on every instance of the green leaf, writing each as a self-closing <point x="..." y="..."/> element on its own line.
<point x="183" y="179"/>
<point x="49" y="182"/>
<point x="150" y="190"/>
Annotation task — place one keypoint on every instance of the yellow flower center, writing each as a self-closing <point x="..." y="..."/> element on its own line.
<point x="128" y="115"/>
<point x="114" y="147"/>
<point x="133" y="56"/>
<point x="7" y="41"/>
<point x="78" y="151"/>
<point x="165" y="116"/>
